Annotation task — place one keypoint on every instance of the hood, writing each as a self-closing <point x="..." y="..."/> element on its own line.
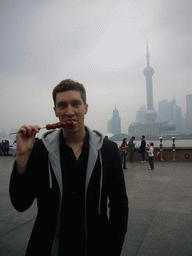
<point x="51" y="139"/>
<point x="51" y="142"/>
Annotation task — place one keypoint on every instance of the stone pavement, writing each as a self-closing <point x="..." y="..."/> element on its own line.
<point x="15" y="227"/>
<point x="160" y="202"/>
<point x="160" y="218"/>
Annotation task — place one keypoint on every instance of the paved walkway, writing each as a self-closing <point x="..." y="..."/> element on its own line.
<point x="160" y="201"/>
<point x="160" y="219"/>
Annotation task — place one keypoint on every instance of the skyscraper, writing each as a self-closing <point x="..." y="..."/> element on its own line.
<point x="140" y="115"/>
<point x="170" y="112"/>
<point x="114" y="125"/>
<point x="149" y="72"/>
<point x="188" y="120"/>
<point x="149" y="127"/>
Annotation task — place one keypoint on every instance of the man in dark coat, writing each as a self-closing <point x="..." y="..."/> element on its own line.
<point x="72" y="172"/>
<point x="142" y="148"/>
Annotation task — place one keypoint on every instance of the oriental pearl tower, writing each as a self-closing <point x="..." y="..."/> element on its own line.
<point x="150" y="114"/>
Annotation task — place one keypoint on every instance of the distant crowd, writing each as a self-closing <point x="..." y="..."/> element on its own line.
<point x="5" y="147"/>
<point x="125" y="146"/>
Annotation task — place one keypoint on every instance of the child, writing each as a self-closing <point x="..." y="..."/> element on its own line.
<point x="151" y="156"/>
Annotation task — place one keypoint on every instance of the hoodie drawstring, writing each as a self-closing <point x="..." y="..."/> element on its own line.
<point x="50" y="176"/>
<point x="101" y="182"/>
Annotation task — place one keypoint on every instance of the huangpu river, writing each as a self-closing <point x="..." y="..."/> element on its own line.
<point x="166" y="143"/>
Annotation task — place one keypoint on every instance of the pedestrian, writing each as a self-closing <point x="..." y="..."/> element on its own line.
<point x="4" y="147"/>
<point x="1" y="147"/>
<point x="151" y="156"/>
<point x="14" y="148"/>
<point x="7" y="147"/>
<point x="131" y="146"/>
<point x="124" y="148"/>
<point x="142" y="148"/>
<point x="72" y="172"/>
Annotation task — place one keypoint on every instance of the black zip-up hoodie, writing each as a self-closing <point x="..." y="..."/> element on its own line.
<point x="104" y="180"/>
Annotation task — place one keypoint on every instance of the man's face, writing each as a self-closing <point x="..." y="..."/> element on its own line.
<point x="70" y="106"/>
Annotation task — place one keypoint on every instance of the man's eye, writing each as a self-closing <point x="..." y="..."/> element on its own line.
<point x="62" y="105"/>
<point x="76" y="104"/>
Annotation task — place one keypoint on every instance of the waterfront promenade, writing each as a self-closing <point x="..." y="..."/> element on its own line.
<point x="160" y="218"/>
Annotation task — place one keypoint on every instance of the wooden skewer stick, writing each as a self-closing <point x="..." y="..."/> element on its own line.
<point x="12" y="133"/>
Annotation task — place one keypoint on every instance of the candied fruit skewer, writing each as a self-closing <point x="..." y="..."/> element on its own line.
<point x="63" y="124"/>
<point x="60" y="124"/>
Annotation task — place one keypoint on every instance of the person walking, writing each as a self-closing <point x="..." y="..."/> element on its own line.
<point x="73" y="172"/>
<point x="142" y="148"/>
<point x="124" y="148"/>
<point x="151" y="156"/>
<point x="131" y="146"/>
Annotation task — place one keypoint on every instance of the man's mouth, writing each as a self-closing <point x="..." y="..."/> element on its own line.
<point x="71" y="123"/>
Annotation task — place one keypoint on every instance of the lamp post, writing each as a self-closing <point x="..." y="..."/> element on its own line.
<point x="161" y="148"/>
<point x="173" y="148"/>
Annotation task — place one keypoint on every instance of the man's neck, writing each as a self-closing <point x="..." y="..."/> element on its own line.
<point x="74" y="138"/>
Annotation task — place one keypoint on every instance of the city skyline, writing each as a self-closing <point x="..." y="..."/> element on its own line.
<point x="168" y="119"/>
<point x="5" y="134"/>
<point x="163" y="116"/>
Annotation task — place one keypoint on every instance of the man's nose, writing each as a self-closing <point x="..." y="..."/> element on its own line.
<point x="70" y="110"/>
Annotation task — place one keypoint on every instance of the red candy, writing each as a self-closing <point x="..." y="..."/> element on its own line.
<point x="60" y="124"/>
<point x="48" y="127"/>
<point x="69" y="123"/>
<point x="63" y="124"/>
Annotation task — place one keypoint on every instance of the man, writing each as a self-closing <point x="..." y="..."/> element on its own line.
<point x="142" y="148"/>
<point x="72" y="172"/>
<point x="131" y="146"/>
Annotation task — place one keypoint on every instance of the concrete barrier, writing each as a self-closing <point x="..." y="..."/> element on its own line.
<point x="181" y="154"/>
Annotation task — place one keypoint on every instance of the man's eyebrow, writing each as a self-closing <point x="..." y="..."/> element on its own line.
<point x="61" y="102"/>
<point x="66" y="102"/>
<point x="79" y="101"/>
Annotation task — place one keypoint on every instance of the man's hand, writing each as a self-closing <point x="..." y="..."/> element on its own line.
<point x="25" y="142"/>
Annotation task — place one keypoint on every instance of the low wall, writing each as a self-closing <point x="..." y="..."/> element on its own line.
<point x="181" y="154"/>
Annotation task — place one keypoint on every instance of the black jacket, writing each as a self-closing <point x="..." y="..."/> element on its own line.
<point x="104" y="236"/>
<point x="143" y="145"/>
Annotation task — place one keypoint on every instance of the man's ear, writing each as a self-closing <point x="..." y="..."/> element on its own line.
<point x="86" y="108"/>
<point x="55" y="111"/>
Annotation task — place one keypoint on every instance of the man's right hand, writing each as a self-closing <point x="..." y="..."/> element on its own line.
<point x="25" y="142"/>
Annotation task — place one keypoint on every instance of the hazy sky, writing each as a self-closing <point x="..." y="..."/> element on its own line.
<point x="101" y="44"/>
